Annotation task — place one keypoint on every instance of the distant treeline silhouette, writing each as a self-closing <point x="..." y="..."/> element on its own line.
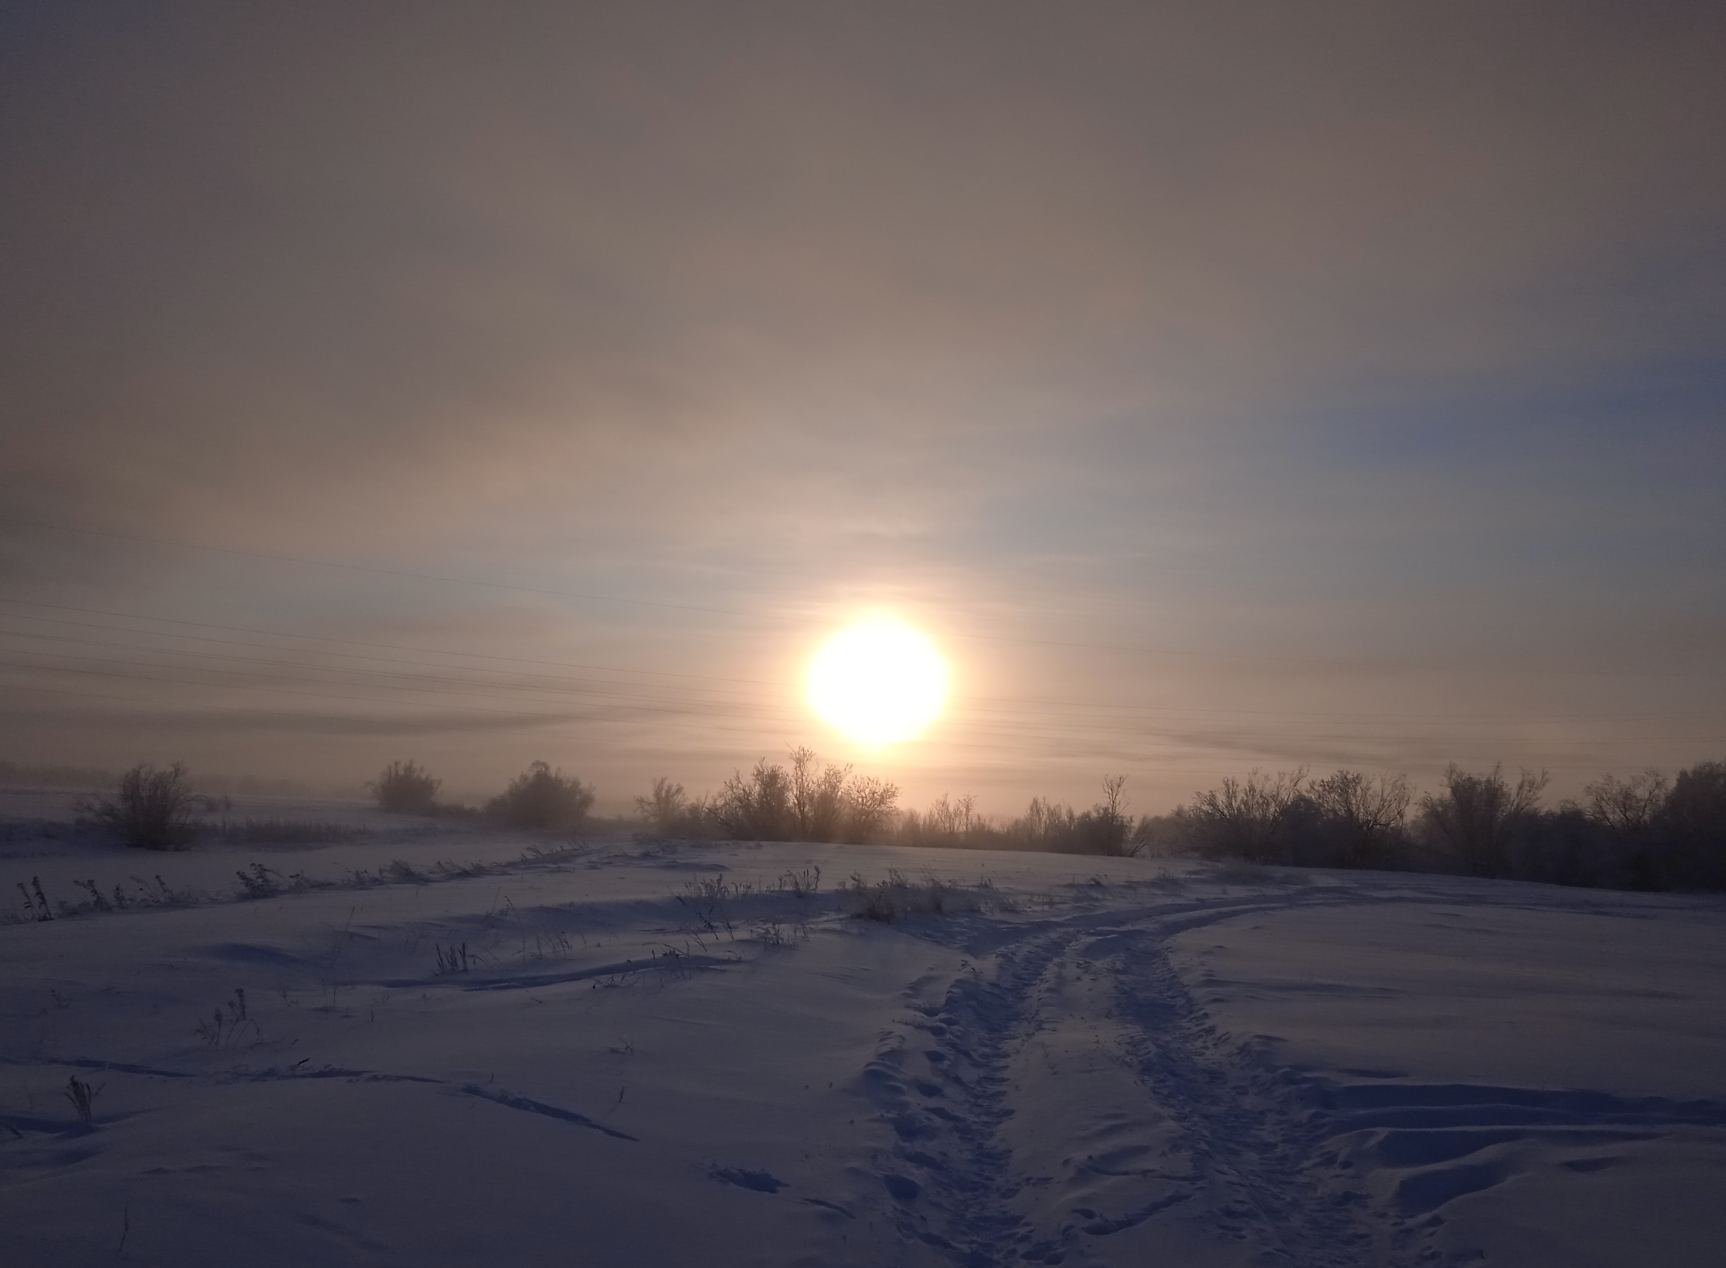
<point x="1646" y="832"/>
<point x="539" y="797"/>
<point x="157" y="808"/>
<point x="809" y="801"/>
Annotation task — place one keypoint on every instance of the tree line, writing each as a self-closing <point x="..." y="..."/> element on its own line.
<point x="1646" y="832"/>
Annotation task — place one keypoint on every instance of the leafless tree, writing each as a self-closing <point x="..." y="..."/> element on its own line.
<point x="665" y="807"/>
<point x="1368" y="810"/>
<point x="756" y="807"/>
<point x="1477" y="815"/>
<point x="870" y="806"/>
<point x="817" y="796"/>
<point x="1045" y="825"/>
<point x="1244" y="818"/>
<point x="1627" y="806"/>
<point x="1107" y="828"/>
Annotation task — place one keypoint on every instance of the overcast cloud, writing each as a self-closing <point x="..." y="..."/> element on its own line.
<point x="1220" y="385"/>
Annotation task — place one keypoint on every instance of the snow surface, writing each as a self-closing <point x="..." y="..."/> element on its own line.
<point x="658" y="1053"/>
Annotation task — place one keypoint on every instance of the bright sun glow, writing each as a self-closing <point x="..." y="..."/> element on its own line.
<point x="878" y="681"/>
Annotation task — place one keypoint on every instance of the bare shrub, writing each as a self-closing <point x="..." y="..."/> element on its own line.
<point x="949" y="821"/>
<point x="1476" y="816"/>
<point x="1243" y="819"/>
<point x="1627" y="806"/>
<point x="808" y="802"/>
<point x="542" y="798"/>
<point x="1106" y="828"/>
<point x="1045" y="825"/>
<point x="1366" y="812"/>
<point x="870" y="808"/>
<point x="816" y="799"/>
<point x="406" y="788"/>
<point x="1626" y="812"/>
<point x="668" y="809"/>
<point x="756" y="808"/>
<point x="152" y="808"/>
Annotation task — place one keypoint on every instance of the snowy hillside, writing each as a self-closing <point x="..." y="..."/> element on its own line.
<point x="433" y="1045"/>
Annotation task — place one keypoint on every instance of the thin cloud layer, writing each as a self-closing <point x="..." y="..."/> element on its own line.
<point x="1270" y="346"/>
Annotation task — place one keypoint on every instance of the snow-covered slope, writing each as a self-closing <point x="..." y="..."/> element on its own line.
<point x="624" y="1053"/>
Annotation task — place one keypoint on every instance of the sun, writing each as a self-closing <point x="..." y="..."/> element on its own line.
<point x="878" y="681"/>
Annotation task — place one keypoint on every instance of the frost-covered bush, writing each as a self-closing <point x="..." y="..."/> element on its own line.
<point x="1476" y="817"/>
<point x="1645" y="832"/>
<point x="1244" y="818"/>
<point x="542" y="798"/>
<point x="1364" y="814"/>
<point x="809" y="802"/>
<point x="406" y="788"/>
<point x="152" y="808"/>
<point x="756" y="807"/>
<point x="670" y="812"/>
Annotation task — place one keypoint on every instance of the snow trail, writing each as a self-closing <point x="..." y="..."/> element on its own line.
<point x="1079" y="1093"/>
<point x="1071" y="1101"/>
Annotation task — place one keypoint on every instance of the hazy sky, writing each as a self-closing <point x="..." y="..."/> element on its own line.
<point x="1219" y="385"/>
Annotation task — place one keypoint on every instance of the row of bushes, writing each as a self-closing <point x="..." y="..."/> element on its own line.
<point x="1645" y="832"/>
<point x="809" y="801"/>
<point x="157" y="808"/>
<point x="539" y="797"/>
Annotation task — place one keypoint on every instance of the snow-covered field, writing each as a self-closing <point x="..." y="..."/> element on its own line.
<point x="439" y="1044"/>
